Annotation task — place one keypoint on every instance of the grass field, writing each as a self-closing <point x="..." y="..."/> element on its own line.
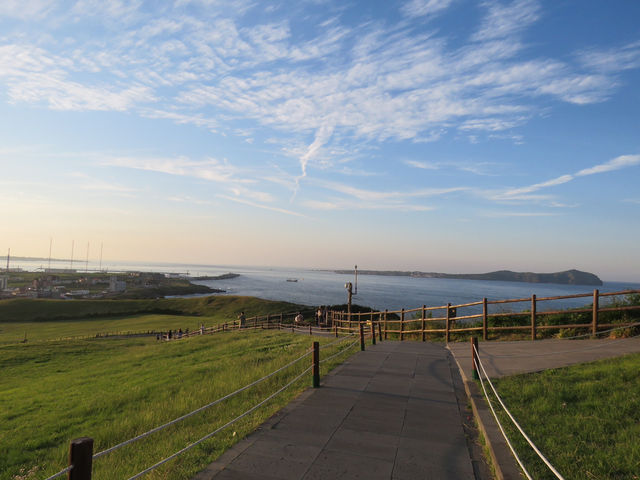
<point x="116" y="388"/>
<point x="38" y="320"/>
<point x="585" y="419"/>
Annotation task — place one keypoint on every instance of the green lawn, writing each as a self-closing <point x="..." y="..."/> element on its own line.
<point x="14" y="332"/>
<point x="39" y="320"/>
<point x="112" y="390"/>
<point x="585" y="419"/>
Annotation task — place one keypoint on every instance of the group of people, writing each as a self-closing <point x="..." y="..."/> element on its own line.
<point x="171" y="334"/>
<point x="319" y="319"/>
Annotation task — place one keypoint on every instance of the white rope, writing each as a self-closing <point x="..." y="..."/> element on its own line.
<point x="209" y="435"/>
<point x="172" y="422"/>
<point x="348" y="347"/>
<point x="60" y="473"/>
<point x="504" y="434"/>
<point x="542" y="457"/>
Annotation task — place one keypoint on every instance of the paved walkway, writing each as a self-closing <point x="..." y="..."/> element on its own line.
<point x="509" y="358"/>
<point x="390" y="412"/>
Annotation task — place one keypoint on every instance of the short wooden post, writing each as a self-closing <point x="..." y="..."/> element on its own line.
<point x="310" y="330"/>
<point x="335" y="329"/>
<point x="268" y="321"/>
<point x="484" y="318"/>
<point x="373" y="331"/>
<point x="474" y="357"/>
<point x="533" y="317"/>
<point x="446" y="327"/>
<point x="80" y="458"/>
<point x="424" y="331"/>
<point x="361" y="336"/>
<point x="402" y="325"/>
<point x="594" y="316"/>
<point x="379" y="330"/>
<point x="316" y="364"/>
<point x="385" y="324"/>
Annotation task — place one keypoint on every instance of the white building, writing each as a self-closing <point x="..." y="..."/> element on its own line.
<point x="116" y="285"/>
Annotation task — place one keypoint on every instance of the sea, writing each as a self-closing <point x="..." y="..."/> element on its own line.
<point x="325" y="287"/>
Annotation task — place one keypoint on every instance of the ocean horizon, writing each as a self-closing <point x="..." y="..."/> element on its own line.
<point x="325" y="287"/>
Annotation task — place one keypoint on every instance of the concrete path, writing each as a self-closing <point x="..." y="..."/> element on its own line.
<point x="509" y="358"/>
<point x="390" y="412"/>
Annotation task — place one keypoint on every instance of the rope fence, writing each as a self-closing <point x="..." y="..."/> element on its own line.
<point x="479" y="367"/>
<point x="86" y="444"/>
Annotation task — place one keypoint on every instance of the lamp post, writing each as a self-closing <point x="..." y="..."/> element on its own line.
<point x="356" y="272"/>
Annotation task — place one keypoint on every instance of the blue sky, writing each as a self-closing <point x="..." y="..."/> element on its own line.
<point x="436" y="135"/>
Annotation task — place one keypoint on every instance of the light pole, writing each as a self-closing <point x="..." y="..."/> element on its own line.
<point x="356" y="271"/>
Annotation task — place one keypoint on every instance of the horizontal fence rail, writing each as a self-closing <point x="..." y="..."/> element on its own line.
<point x="449" y="321"/>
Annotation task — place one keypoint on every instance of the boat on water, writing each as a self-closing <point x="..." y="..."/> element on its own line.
<point x="292" y="279"/>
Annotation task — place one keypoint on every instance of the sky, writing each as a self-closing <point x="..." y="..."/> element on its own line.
<point x="456" y="136"/>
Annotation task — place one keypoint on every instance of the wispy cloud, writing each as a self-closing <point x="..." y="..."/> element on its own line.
<point x="419" y="8"/>
<point x="617" y="163"/>
<point x="25" y="9"/>
<point x="212" y="170"/>
<point x="383" y="82"/>
<point x="244" y="201"/>
<point x="623" y="161"/>
<point x="503" y="20"/>
<point x="518" y="214"/>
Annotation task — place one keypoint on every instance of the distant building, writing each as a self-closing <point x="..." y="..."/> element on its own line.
<point x="4" y="283"/>
<point x="116" y="285"/>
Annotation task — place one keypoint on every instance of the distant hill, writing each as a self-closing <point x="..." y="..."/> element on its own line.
<point x="569" y="277"/>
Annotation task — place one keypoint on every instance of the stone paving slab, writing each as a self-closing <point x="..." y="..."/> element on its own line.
<point x="390" y="412"/>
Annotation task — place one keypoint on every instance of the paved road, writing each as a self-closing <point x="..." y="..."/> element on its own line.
<point x="388" y="413"/>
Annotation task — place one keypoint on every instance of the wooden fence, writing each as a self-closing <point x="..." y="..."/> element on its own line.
<point x="421" y="322"/>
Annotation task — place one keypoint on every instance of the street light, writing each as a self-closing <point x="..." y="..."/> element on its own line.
<point x="356" y="269"/>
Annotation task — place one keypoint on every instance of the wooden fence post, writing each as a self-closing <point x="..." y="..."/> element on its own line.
<point x="80" y="458"/>
<point x="474" y="357"/>
<point x="594" y="316"/>
<point x="268" y="321"/>
<point x="533" y="317"/>
<point x="316" y="364"/>
<point x="385" y="323"/>
<point x="402" y="325"/>
<point x="446" y="327"/>
<point x="484" y="318"/>
<point x="424" y="333"/>
<point x="335" y="329"/>
<point x="379" y="329"/>
<point x="361" y="337"/>
<point x="373" y="331"/>
<point x="310" y="330"/>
